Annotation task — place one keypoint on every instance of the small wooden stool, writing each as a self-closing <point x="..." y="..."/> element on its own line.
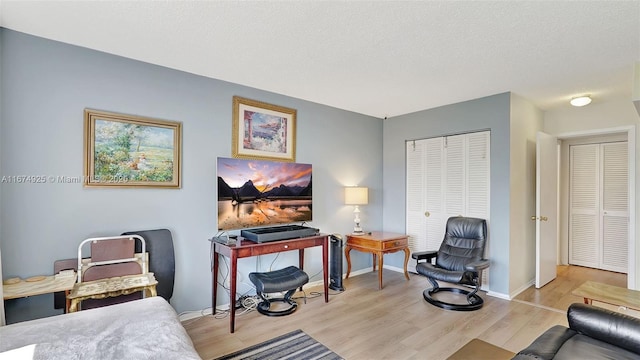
<point x="287" y="279"/>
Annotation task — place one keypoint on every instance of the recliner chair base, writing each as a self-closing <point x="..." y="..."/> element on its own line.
<point x="265" y="305"/>
<point x="475" y="301"/>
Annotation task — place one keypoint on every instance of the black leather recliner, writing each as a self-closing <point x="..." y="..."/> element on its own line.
<point x="459" y="261"/>
<point x="593" y="333"/>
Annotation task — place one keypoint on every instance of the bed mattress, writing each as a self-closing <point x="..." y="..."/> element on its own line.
<point x="141" y="329"/>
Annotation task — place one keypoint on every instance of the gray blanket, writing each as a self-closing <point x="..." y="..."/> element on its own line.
<point x="141" y="329"/>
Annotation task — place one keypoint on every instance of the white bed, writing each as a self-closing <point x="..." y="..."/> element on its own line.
<point x="142" y="329"/>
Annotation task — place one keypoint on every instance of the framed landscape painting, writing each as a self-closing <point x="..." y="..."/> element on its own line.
<point x="131" y="151"/>
<point x="263" y="131"/>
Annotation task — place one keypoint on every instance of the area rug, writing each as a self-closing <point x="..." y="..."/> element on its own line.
<point x="296" y="345"/>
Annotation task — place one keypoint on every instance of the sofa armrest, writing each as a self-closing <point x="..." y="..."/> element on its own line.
<point x="477" y="265"/>
<point x="605" y="325"/>
<point x="546" y="345"/>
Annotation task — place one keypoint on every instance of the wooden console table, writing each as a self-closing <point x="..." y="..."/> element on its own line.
<point x="243" y="248"/>
<point x="110" y="287"/>
<point x="608" y="294"/>
<point x="378" y="244"/>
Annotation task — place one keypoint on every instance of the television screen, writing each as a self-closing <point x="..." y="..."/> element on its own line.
<point x="257" y="193"/>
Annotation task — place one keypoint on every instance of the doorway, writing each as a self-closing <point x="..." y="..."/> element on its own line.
<point x="598" y="209"/>
<point x="567" y="141"/>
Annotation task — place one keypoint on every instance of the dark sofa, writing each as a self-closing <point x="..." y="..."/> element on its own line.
<point x="593" y="333"/>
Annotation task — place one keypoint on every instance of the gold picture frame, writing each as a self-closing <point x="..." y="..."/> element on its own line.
<point x="131" y="151"/>
<point x="263" y="131"/>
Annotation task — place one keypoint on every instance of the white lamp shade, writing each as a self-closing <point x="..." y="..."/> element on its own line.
<point x="356" y="195"/>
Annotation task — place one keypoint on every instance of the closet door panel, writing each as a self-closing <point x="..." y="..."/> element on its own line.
<point x="584" y="249"/>
<point x="455" y="187"/>
<point x="478" y="175"/>
<point x="615" y="178"/>
<point x="434" y="211"/>
<point x="584" y="208"/>
<point x="615" y="207"/>
<point x="615" y="244"/>
<point x="416" y="222"/>
<point x="478" y="184"/>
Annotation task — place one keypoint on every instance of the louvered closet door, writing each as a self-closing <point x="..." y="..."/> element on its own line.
<point x="455" y="183"/>
<point x="478" y="181"/>
<point x="424" y="194"/>
<point x="598" y="214"/>
<point x="415" y="196"/>
<point x="434" y="206"/>
<point x="615" y="207"/>
<point x="583" y="199"/>
<point x="446" y="176"/>
<point x="478" y="175"/>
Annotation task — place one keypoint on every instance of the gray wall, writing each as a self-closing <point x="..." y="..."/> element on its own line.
<point x="493" y="113"/>
<point x="45" y="87"/>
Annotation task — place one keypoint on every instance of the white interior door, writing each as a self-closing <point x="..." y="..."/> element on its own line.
<point x="546" y="208"/>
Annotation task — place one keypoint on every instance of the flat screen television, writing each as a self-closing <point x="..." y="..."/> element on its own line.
<point x="261" y="193"/>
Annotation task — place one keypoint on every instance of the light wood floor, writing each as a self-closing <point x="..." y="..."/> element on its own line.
<point x="557" y="294"/>
<point x="396" y="322"/>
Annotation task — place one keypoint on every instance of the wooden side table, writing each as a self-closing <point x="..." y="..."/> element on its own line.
<point x="110" y="287"/>
<point x="378" y="244"/>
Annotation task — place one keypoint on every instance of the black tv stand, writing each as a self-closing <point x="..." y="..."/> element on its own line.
<point x="276" y="233"/>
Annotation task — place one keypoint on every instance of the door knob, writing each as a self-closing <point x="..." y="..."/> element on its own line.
<point x="427" y="214"/>
<point x="541" y="218"/>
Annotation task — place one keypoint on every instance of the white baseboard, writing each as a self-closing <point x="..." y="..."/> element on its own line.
<point x="188" y="315"/>
<point x="513" y="294"/>
<point x="499" y="295"/>
<point x="523" y="288"/>
<point x="393" y="268"/>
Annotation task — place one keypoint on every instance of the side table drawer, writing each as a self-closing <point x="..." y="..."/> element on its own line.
<point x="277" y="247"/>
<point x="395" y="244"/>
<point x="358" y="242"/>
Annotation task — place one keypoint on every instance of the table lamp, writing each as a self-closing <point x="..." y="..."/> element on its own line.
<point x="356" y="195"/>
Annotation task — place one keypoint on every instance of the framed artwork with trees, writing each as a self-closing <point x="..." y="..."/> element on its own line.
<point x="131" y="151"/>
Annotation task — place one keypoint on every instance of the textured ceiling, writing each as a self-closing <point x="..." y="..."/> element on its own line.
<point x="379" y="58"/>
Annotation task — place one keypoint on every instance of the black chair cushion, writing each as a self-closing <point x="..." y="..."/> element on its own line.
<point x="463" y="243"/>
<point x="434" y="272"/>
<point x="279" y="280"/>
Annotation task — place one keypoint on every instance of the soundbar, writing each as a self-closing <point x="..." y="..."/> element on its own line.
<point x="276" y="233"/>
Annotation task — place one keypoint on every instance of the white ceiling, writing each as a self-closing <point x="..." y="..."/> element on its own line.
<point x="379" y="58"/>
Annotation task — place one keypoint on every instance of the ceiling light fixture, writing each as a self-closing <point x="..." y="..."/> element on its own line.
<point x="581" y="100"/>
